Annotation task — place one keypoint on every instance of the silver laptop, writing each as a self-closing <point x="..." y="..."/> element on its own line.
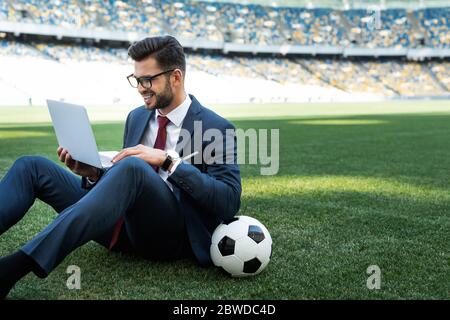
<point x="74" y="133"/>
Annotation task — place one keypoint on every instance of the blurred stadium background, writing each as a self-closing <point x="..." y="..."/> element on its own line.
<point x="237" y="51"/>
<point x="358" y="89"/>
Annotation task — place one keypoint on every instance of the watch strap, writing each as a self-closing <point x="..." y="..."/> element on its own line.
<point x="166" y="164"/>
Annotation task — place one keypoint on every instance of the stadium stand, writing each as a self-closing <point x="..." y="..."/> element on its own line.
<point x="217" y="21"/>
<point x="434" y="24"/>
<point x="191" y="20"/>
<point x="312" y="26"/>
<point x="228" y="77"/>
<point x="111" y="15"/>
<point x="441" y="71"/>
<point x="393" y="31"/>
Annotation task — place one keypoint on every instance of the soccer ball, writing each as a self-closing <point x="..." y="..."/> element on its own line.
<point x="241" y="246"/>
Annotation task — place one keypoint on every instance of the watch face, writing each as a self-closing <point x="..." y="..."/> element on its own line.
<point x="173" y="154"/>
<point x="166" y="164"/>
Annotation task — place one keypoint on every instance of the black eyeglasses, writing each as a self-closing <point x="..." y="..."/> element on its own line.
<point x="146" y="82"/>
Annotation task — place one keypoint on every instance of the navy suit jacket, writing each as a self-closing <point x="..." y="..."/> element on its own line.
<point x="208" y="193"/>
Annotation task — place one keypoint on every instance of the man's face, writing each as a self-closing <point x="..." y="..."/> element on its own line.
<point x="160" y="95"/>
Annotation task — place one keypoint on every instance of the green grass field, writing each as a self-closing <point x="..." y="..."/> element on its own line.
<point x="359" y="185"/>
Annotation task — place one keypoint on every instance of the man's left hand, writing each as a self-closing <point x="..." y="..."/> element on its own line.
<point x="152" y="156"/>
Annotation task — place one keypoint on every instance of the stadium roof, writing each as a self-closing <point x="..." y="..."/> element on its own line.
<point x="344" y="4"/>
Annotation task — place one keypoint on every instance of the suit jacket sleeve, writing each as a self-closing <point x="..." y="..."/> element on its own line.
<point x="218" y="190"/>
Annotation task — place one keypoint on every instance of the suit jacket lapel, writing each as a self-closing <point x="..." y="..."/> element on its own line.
<point x="141" y="126"/>
<point x="188" y="123"/>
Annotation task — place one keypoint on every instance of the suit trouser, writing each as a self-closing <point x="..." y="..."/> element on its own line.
<point x="154" y="224"/>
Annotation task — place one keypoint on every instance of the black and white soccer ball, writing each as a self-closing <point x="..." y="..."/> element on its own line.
<point x="242" y="246"/>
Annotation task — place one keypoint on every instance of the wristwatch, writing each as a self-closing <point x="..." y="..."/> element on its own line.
<point x="172" y="156"/>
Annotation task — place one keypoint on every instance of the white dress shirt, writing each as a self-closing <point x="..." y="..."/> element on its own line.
<point x="176" y="117"/>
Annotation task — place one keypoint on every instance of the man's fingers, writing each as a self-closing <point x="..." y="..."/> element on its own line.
<point x="126" y="153"/>
<point x="70" y="162"/>
<point x="62" y="156"/>
<point x="59" y="150"/>
<point x="75" y="165"/>
<point x="67" y="159"/>
<point x="120" y="155"/>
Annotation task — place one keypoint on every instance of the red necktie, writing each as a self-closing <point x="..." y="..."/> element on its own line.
<point x="160" y="143"/>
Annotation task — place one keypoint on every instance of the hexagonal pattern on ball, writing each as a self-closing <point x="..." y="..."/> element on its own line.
<point x="246" y="249"/>
<point x="226" y="246"/>
<point x="255" y="233"/>
<point x="216" y="256"/>
<point x="252" y="266"/>
<point x="253" y="221"/>
<point x="263" y="266"/>
<point x="219" y="233"/>
<point x="233" y="265"/>
<point x="237" y="229"/>
<point x="264" y="251"/>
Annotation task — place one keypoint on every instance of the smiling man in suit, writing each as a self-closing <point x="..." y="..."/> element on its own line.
<point x="150" y="202"/>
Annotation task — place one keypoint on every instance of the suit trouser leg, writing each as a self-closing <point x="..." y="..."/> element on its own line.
<point x="129" y="189"/>
<point x="33" y="177"/>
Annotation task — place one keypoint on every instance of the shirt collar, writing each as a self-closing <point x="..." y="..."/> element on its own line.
<point x="177" y="115"/>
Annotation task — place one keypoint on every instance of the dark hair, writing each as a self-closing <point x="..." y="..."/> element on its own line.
<point x="167" y="51"/>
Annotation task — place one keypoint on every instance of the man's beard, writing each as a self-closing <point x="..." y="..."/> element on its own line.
<point x="163" y="99"/>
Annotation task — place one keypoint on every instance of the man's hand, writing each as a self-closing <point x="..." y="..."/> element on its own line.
<point x="152" y="156"/>
<point x="77" y="167"/>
